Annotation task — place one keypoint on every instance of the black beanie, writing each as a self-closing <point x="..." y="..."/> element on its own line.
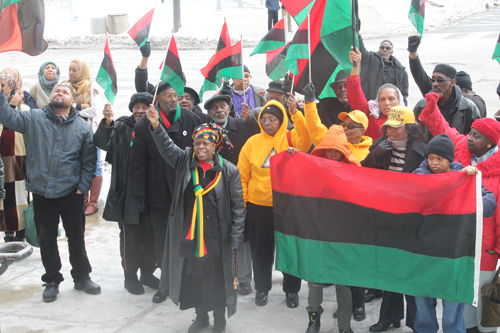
<point x="446" y="69"/>
<point x="463" y="80"/>
<point x="441" y="145"/>
<point x="245" y="69"/>
<point x="498" y="90"/>
<point x="274" y="110"/>
<point x="139" y="97"/>
<point x="163" y="86"/>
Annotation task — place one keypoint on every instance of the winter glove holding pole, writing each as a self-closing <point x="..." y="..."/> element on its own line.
<point x="413" y="43"/>
<point x="309" y="93"/>
<point x="226" y="89"/>
<point x="146" y="50"/>
<point x="287" y="83"/>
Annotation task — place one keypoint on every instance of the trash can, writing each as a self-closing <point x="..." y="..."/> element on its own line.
<point x="98" y="25"/>
<point x="117" y="23"/>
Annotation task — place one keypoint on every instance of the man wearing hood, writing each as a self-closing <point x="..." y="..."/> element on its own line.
<point x="136" y="233"/>
<point x="379" y="68"/>
<point x="458" y="111"/>
<point x="152" y="180"/>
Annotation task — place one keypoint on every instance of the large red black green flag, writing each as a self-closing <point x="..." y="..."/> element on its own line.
<point x="172" y="69"/>
<point x="275" y="62"/>
<point x="106" y="77"/>
<point x="412" y="234"/>
<point x="417" y="15"/>
<point x="140" y="30"/>
<point x="22" y="23"/>
<point x="496" y="53"/>
<point x="226" y="62"/>
<point x="273" y="40"/>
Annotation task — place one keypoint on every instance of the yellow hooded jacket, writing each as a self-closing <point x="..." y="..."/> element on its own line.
<point x="317" y="132"/>
<point x="255" y="155"/>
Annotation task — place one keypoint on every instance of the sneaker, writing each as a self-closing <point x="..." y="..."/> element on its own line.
<point x="314" y="322"/>
<point x="88" y="287"/>
<point x="133" y="285"/>
<point x="261" y="298"/>
<point x="150" y="281"/>
<point x="292" y="300"/>
<point x="244" y="289"/>
<point x="199" y="323"/>
<point x="50" y="292"/>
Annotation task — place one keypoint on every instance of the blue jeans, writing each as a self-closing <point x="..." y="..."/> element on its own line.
<point x="426" y="320"/>
<point x="98" y="171"/>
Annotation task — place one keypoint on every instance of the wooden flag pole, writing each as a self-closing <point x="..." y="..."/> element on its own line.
<point x="309" y="42"/>
<point x="243" y="72"/>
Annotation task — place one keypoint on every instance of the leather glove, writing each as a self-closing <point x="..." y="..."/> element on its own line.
<point x="413" y="43"/>
<point x="226" y="89"/>
<point x="287" y="84"/>
<point x="382" y="149"/>
<point x="146" y="50"/>
<point x="431" y="100"/>
<point x="309" y="92"/>
<point x="140" y="203"/>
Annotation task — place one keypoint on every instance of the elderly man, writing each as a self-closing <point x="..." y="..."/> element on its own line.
<point x="152" y="180"/>
<point x="329" y="108"/>
<point x="252" y="97"/>
<point x="61" y="165"/>
<point x="379" y="68"/>
<point x="458" y="111"/>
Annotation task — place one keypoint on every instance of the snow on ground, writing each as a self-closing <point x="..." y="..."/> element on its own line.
<point x="201" y="20"/>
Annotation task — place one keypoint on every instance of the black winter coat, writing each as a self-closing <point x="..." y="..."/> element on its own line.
<point x="150" y="176"/>
<point x="115" y="139"/>
<point x="372" y="73"/>
<point x="329" y="109"/>
<point x="415" y="153"/>
<point x="231" y="211"/>
<point x="238" y="134"/>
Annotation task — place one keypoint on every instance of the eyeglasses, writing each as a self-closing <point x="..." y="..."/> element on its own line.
<point x="339" y="86"/>
<point x="247" y="76"/>
<point x="439" y="80"/>
<point x="268" y="120"/>
<point x="388" y="48"/>
<point x="351" y="126"/>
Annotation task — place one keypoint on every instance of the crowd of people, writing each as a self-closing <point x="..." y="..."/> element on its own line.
<point x="191" y="188"/>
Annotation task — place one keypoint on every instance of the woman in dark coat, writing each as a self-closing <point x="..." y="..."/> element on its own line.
<point x="205" y="225"/>
<point x="136" y="233"/>
<point x="400" y="150"/>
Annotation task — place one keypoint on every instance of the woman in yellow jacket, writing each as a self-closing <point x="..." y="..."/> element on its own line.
<point x="254" y="163"/>
<point x="355" y="124"/>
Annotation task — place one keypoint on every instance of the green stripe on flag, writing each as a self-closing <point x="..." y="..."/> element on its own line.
<point x="7" y="3"/>
<point x="496" y="53"/>
<point x="328" y="91"/>
<point x="295" y="52"/>
<point x="106" y="83"/>
<point x="302" y="15"/>
<point x="207" y="85"/>
<point x="375" y="267"/>
<point x="417" y="20"/>
<point x="171" y="77"/>
<point x="267" y="45"/>
<point x="339" y="44"/>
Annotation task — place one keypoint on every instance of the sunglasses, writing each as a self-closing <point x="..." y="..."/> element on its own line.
<point x="439" y="80"/>
<point x="388" y="48"/>
<point x="351" y="126"/>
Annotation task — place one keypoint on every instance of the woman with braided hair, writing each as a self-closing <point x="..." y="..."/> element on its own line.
<point x="205" y="225"/>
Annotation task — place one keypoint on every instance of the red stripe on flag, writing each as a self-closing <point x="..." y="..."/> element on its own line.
<point x="141" y="24"/>
<point x="219" y="56"/>
<point x="11" y="38"/>
<point x="406" y="193"/>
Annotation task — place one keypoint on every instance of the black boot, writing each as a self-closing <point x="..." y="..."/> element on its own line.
<point x="132" y="284"/>
<point x="9" y="237"/>
<point x="200" y="322"/>
<point x="314" y="322"/>
<point x="219" y="320"/>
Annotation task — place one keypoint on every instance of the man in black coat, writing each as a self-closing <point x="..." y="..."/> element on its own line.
<point x="152" y="180"/>
<point x="458" y="111"/>
<point x="189" y="101"/>
<point x="329" y="108"/>
<point x="379" y="68"/>
<point x="464" y="82"/>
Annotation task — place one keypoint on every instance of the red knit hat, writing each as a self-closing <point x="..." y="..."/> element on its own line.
<point x="489" y="127"/>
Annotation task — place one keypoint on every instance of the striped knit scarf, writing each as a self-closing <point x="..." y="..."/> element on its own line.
<point x="398" y="155"/>
<point x="197" y="222"/>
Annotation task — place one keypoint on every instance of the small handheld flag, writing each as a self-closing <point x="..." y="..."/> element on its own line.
<point x="106" y="77"/>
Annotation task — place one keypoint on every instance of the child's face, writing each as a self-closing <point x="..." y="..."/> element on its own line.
<point x="438" y="164"/>
<point x="334" y="154"/>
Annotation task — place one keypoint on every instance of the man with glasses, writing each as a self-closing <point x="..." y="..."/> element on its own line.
<point x="329" y="108"/>
<point x="252" y="97"/>
<point x="458" y="111"/>
<point x="152" y="180"/>
<point x="379" y="68"/>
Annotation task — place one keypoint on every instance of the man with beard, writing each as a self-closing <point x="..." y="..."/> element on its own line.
<point x="152" y="180"/>
<point x="329" y="108"/>
<point x="189" y="101"/>
<point x="458" y="111"/>
<point x="379" y="68"/>
<point x="61" y="163"/>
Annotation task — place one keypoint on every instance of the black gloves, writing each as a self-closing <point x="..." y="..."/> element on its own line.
<point x="287" y="84"/>
<point x="146" y="50"/>
<point x="226" y="89"/>
<point x="413" y="43"/>
<point x="309" y="92"/>
<point x="140" y="204"/>
<point x="383" y="148"/>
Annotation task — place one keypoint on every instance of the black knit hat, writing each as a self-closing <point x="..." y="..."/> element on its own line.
<point x="463" y="80"/>
<point x="192" y="92"/>
<point x="245" y="69"/>
<point x="139" y="97"/>
<point x="446" y="69"/>
<point x="441" y="145"/>
<point x="274" y="110"/>
<point x="163" y="86"/>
